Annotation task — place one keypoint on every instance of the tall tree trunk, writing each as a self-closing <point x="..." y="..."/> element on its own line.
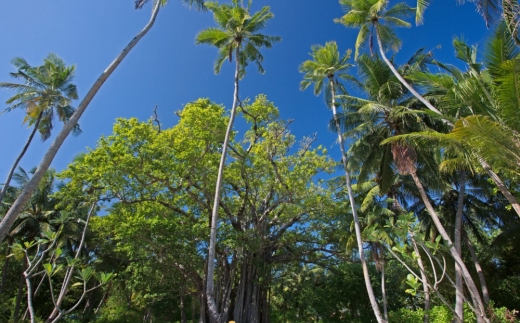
<point x="424" y="278"/>
<point x="498" y="182"/>
<point x="210" y="284"/>
<point x="6" y="266"/>
<point x="18" y="302"/>
<point x="479" y="305"/>
<point x="70" y="270"/>
<point x="459" y="297"/>
<point x="482" y="279"/>
<point x="24" y="150"/>
<point x="383" y="291"/>
<point x="27" y="191"/>
<point x="368" y="284"/>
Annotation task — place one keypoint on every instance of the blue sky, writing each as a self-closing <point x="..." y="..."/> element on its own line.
<point x="167" y="69"/>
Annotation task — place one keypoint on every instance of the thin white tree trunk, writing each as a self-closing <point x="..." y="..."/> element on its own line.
<point x="26" y="193"/>
<point x="210" y="284"/>
<point x="482" y="279"/>
<point x="70" y="270"/>
<point x="459" y="298"/>
<point x="424" y="278"/>
<point x="479" y="305"/>
<point x="499" y="183"/>
<point x="368" y="284"/>
<point x="383" y="291"/>
<point x="11" y="172"/>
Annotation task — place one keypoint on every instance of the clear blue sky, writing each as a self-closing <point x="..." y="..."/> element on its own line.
<point x="167" y="69"/>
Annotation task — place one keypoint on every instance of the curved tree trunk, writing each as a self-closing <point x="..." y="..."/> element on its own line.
<point x="498" y="182"/>
<point x="26" y="193"/>
<point x="479" y="305"/>
<point x="368" y="284"/>
<point x="215" y="316"/>
<point x="459" y="298"/>
<point x="424" y="278"/>
<point x="24" y="150"/>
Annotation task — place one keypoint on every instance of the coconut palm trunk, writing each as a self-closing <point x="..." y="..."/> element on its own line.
<point x="210" y="284"/>
<point x="496" y="179"/>
<point x="482" y="279"/>
<point x="478" y="304"/>
<point x="459" y="298"/>
<point x="362" y="259"/>
<point x="24" y="196"/>
<point x="24" y="150"/>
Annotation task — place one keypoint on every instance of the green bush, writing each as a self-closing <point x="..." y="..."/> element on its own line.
<point x="441" y="314"/>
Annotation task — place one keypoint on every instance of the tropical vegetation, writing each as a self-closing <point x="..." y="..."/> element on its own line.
<point x="417" y="220"/>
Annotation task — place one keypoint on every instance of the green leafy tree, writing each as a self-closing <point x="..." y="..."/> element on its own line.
<point x="236" y="34"/>
<point x="24" y="196"/>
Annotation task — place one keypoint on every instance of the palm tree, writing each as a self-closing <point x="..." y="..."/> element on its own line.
<point x="385" y="114"/>
<point x="324" y="70"/>
<point x="24" y="196"/>
<point x="45" y="90"/>
<point x="236" y="34"/>
<point x="372" y="17"/>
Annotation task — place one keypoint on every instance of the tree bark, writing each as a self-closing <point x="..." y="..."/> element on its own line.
<point x="6" y="267"/>
<point x="424" y="278"/>
<point x="368" y="284"/>
<point x="27" y="191"/>
<point x="24" y="150"/>
<point x="459" y="297"/>
<point x="215" y="316"/>
<point x="16" y="313"/>
<point x="482" y="279"/>
<point x="383" y="291"/>
<point x="479" y="305"/>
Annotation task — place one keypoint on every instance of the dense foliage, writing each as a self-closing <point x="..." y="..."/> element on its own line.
<point x="418" y="221"/>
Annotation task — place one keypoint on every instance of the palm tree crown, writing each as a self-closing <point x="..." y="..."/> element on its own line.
<point x="45" y="90"/>
<point x="326" y="63"/>
<point x="237" y="35"/>
<point x="373" y="14"/>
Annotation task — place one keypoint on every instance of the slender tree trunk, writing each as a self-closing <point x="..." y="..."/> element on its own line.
<point x="383" y="291"/>
<point x="402" y="80"/>
<point x="482" y="279"/>
<point x="24" y="150"/>
<point x="424" y="278"/>
<point x="498" y="182"/>
<point x="210" y="284"/>
<point x="27" y="191"/>
<point x="479" y="305"/>
<point x="459" y="297"/>
<point x="18" y="302"/>
<point x="501" y="186"/>
<point x="70" y="270"/>
<point x="6" y="267"/>
<point x="368" y="284"/>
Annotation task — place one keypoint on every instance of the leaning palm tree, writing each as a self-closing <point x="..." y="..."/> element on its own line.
<point x="236" y="35"/>
<point x="24" y="196"/>
<point x="324" y="70"/>
<point x="43" y="91"/>
<point x="374" y="19"/>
